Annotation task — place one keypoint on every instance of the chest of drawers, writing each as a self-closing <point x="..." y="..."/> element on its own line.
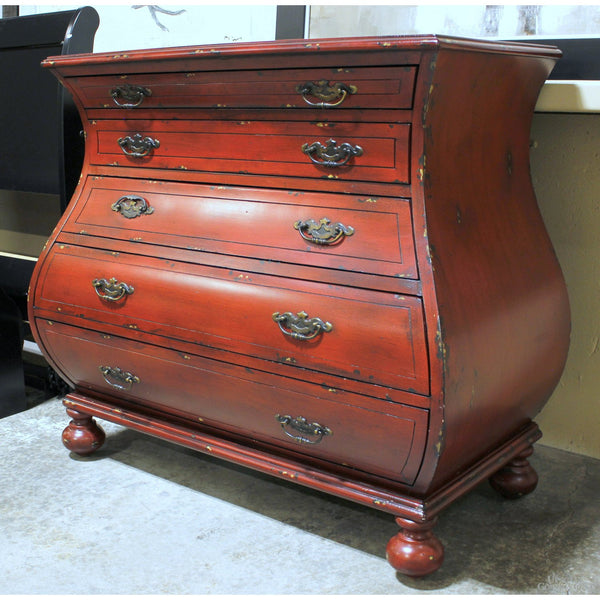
<point x="322" y="260"/>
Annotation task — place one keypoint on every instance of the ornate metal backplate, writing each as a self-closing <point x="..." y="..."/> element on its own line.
<point x="330" y="95"/>
<point x="129" y="96"/>
<point x="331" y="155"/>
<point x="132" y="206"/>
<point x="299" y="326"/>
<point x="118" y="378"/>
<point x="323" y="232"/>
<point x="302" y="426"/>
<point x="111" y="290"/>
<point x="137" y="145"/>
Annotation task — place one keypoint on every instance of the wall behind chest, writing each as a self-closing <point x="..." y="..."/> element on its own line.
<point x="565" y="166"/>
<point x="128" y="27"/>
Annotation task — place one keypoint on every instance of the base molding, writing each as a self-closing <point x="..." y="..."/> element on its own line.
<point x="419" y="510"/>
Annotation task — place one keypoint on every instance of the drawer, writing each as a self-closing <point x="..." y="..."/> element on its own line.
<point x="334" y="88"/>
<point x="344" y="151"/>
<point x="375" y="337"/>
<point x="352" y="233"/>
<point x="386" y="441"/>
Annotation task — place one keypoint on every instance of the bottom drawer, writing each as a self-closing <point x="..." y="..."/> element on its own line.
<point x="371" y="435"/>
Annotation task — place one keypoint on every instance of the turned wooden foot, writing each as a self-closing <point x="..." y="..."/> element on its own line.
<point x="82" y="435"/>
<point x="415" y="551"/>
<point x="517" y="478"/>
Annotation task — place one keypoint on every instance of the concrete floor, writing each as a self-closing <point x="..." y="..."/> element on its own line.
<point x="142" y="516"/>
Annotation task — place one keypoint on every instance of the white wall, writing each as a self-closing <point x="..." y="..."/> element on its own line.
<point x="470" y="20"/>
<point x="127" y="27"/>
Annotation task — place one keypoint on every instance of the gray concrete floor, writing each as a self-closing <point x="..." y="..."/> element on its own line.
<point x="143" y="516"/>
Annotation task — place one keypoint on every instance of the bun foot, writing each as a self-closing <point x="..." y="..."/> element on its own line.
<point x="415" y="551"/>
<point x="82" y="435"/>
<point x="517" y="478"/>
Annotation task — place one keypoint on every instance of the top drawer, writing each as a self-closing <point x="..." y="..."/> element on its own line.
<point x="339" y="88"/>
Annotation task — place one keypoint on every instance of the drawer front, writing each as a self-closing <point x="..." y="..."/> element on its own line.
<point x="344" y="151"/>
<point x="333" y="88"/>
<point x="388" y="441"/>
<point x="369" y="235"/>
<point x="367" y="336"/>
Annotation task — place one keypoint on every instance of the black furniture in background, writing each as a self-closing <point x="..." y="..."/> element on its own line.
<point x="41" y="152"/>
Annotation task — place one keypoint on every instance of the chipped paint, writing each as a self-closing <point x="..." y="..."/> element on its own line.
<point x="442" y="352"/>
<point x="439" y="446"/>
<point x="422" y="171"/>
<point x="458" y="215"/>
<point x="428" y="254"/>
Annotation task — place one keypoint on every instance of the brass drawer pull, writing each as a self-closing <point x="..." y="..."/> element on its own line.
<point x="329" y="95"/>
<point x="331" y="155"/>
<point x="323" y="232"/>
<point x="132" y="95"/>
<point x="122" y="380"/>
<point x="138" y="145"/>
<point x="111" y="290"/>
<point x="301" y="425"/>
<point x="132" y="206"/>
<point x="299" y="326"/>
